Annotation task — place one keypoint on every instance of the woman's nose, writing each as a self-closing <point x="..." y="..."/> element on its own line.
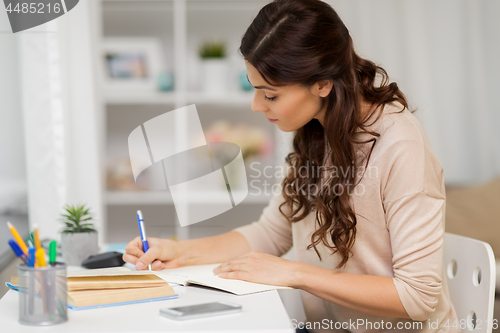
<point x="257" y="104"/>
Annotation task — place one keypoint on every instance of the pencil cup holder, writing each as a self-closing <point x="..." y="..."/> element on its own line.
<point x="42" y="294"/>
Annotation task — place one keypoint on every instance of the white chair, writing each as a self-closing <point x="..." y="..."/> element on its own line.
<point x="471" y="272"/>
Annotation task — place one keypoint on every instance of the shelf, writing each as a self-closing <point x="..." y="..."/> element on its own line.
<point x="157" y="97"/>
<point x="197" y="5"/>
<point x="138" y="197"/>
<point x="163" y="197"/>
<point x="180" y="25"/>
<point x="134" y="97"/>
<point x="234" y="98"/>
<point x="137" y="5"/>
<point x="225" y="5"/>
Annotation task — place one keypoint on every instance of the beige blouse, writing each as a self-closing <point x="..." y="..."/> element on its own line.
<point x="400" y="208"/>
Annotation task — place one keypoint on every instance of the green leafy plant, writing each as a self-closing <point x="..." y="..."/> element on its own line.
<point x="76" y="218"/>
<point x="212" y="49"/>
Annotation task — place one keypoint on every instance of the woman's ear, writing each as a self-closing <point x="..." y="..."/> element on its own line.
<point x="323" y="88"/>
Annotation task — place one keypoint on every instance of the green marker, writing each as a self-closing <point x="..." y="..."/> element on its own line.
<point x="52" y="251"/>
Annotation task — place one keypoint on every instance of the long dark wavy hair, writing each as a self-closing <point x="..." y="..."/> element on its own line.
<point x="303" y="42"/>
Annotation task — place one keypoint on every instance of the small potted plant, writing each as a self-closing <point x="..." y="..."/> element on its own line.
<point x="78" y="236"/>
<point x="214" y="66"/>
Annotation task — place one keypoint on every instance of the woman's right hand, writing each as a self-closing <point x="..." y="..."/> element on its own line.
<point x="162" y="253"/>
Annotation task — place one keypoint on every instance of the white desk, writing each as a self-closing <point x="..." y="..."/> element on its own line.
<point x="262" y="312"/>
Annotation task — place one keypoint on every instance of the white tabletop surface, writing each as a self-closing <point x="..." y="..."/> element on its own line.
<point x="261" y="312"/>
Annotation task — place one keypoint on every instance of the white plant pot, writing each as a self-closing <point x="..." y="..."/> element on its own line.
<point x="215" y="75"/>
<point x="76" y="247"/>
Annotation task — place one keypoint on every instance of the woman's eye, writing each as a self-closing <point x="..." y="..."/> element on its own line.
<point x="269" y="98"/>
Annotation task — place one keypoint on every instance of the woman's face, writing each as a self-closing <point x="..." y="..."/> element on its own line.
<point x="289" y="107"/>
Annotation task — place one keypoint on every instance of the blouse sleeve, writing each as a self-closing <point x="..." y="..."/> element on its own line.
<point x="272" y="233"/>
<point x="414" y="204"/>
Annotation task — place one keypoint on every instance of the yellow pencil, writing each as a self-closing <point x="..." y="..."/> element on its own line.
<point x="18" y="238"/>
<point x="40" y="258"/>
<point x="38" y="245"/>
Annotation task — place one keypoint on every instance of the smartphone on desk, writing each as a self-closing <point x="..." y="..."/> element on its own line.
<point x="200" y="310"/>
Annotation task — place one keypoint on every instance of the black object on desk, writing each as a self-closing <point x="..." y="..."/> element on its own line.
<point x="104" y="260"/>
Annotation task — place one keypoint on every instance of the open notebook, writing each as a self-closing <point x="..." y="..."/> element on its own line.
<point x="203" y="275"/>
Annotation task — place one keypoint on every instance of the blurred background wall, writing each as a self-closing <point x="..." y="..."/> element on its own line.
<point x="444" y="56"/>
<point x="12" y="169"/>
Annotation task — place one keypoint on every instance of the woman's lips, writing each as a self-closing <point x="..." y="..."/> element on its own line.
<point x="272" y="120"/>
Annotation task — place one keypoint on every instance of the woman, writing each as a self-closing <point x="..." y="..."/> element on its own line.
<point x="363" y="202"/>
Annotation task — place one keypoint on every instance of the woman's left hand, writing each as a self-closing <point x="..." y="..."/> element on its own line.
<point x="260" y="267"/>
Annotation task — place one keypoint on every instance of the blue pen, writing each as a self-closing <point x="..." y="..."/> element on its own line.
<point x="31" y="257"/>
<point x="145" y="245"/>
<point x="31" y="288"/>
<point x="17" y="250"/>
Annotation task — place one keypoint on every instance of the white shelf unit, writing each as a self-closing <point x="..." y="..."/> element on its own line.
<point x="155" y="97"/>
<point x="163" y="197"/>
<point x="181" y="25"/>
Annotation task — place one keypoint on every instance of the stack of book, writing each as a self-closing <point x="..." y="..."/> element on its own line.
<point x="109" y="287"/>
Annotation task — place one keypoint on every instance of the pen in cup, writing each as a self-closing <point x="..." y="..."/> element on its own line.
<point x="17" y="250"/>
<point x="48" y="277"/>
<point x="31" y="257"/>
<point x="29" y="242"/>
<point x="40" y="252"/>
<point x="31" y="287"/>
<point x="18" y="238"/>
<point x="35" y="238"/>
<point x="41" y="275"/>
<point x="52" y="252"/>
<point x="145" y="245"/>
<point x="52" y="285"/>
<point x="40" y="258"/>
